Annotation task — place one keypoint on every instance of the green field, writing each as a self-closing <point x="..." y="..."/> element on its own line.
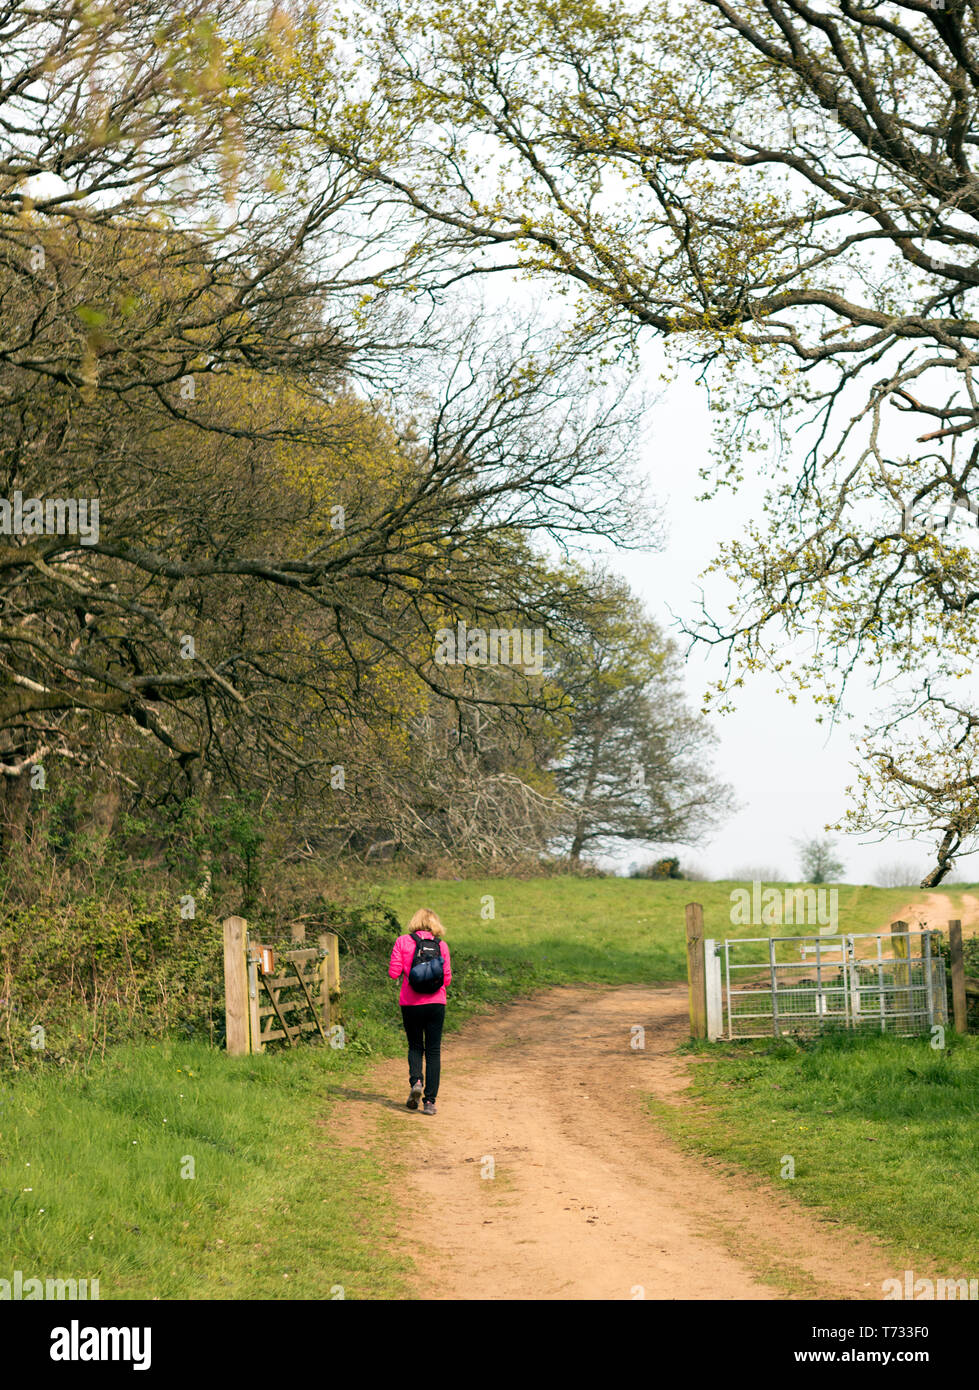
<point x="91" y="1156"/>
<point x="613" y="930"/>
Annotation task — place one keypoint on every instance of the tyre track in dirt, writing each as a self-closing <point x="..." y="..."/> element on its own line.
<point x="590" y="1199"/>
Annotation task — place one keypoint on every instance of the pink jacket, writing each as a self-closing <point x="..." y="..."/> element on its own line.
<point x="401" y="958"/>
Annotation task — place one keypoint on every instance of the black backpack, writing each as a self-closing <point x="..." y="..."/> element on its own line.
<point x="427" y="973"/>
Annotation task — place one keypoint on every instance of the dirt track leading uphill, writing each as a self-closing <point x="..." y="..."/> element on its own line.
<point x="589" y="1199"/>
<point x="937" y="909"/>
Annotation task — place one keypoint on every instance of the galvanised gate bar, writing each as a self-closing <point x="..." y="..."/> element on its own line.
<point x="766" y="986"/>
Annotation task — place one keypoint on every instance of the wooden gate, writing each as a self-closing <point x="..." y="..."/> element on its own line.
<point x="273" y="994"/>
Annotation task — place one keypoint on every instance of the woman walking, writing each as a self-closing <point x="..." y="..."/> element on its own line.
<point x="422" y="958"/>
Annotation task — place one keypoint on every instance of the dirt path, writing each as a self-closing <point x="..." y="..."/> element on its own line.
<point x="935" y="910"/>
<point x="589" y="1198"/>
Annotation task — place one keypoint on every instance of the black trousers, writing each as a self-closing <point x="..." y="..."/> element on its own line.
<point x="423" y="1025"/>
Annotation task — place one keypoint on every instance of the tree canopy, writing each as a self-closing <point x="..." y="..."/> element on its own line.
<point x="784" y="195"/>
<point x="250" y="476"/>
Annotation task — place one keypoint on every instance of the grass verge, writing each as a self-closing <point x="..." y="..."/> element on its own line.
<point x="173" y="1171"/>
<point x="879" y="1131"/>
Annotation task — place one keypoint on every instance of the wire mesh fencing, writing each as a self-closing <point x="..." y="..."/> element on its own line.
<point x="767" y="986"/>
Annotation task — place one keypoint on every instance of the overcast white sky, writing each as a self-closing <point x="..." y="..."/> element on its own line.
<point x="789" y="772"/>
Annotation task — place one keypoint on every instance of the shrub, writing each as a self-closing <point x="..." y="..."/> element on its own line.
<point x="970" y="956"/>
<point x="90" y="973"/>
<point x="661" y="869"/>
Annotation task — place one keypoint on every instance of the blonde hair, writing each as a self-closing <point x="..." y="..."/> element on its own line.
<point x="426" y="920"/>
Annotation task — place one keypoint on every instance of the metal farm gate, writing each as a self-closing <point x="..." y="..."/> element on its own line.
<point x="765" y="986"/>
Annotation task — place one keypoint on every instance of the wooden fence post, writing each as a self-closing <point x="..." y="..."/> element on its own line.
<point x="696" y="975"/>
<point x="901" y="946"/>
<point x="957" y="963"/>
<point x="235" y="986"/>
<point x="329" y="972"/>
<point x="298" y="932"/>
<point x="333" y="961"/>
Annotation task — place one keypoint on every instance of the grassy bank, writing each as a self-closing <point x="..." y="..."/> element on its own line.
<point x="881" y="1131"/>
<point x="613" y="930"/>
<point x="176" y="1172"/>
